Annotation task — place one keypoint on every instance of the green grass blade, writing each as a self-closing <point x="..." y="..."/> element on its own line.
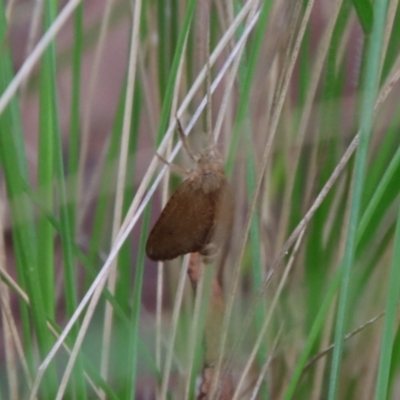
<point x="73" y="151"/>
<point x="392" y="302"/>
<point x="365" y="14"/>
<point x="366" y="122"/>
<point x="137" y="303"/>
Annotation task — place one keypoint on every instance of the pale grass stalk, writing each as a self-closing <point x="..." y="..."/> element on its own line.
<point x="7" y="313"/>
<point x="236" y="52"/>
<point x="34" y="57"/>
<point x="121" y="178"/>
<point x="160" y="272"/>
<point x="387" y="87"/>
<point x="9" y="350"/>
<point x="265" y="158"/>
<point x="14" y="285"/>
<point x="174" y="327"/>
<point x="344" y="41"/>
<point x="7" y="318"/>
<point x="85" y="134"/>
<point x="137" y="205"/>
<point x="152" y="111"/>
<point x="271" y="309"/>
<point x="194" y="329"/>
<point x="263" y="371"/>
<point x="391" y="15"/>
<point x="12" y="342"/>
<point x="227" y="98"/>
<point x="329" y="348"/>
<point x="321" y="54"/>
<point x="159" y="296"/>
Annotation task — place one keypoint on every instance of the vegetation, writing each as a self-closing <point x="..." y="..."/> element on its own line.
<point x="305" y="110"/>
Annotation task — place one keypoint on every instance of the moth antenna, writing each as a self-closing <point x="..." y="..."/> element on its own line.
<point x="175" y="168"/>
<point x="184" y="140"/>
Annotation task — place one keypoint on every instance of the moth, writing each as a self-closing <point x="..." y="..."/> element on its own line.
<point x="198" y="216"/>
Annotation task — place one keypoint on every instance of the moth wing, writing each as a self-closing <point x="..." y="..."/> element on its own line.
<point x="184" y="225"/>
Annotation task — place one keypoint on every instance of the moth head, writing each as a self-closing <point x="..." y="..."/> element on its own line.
<point x="210" y="161"/>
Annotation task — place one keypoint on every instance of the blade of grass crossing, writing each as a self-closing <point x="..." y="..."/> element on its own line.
<point x="366" y="123"/>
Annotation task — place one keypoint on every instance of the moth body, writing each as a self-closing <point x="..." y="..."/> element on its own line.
<point x="197" y="214"/>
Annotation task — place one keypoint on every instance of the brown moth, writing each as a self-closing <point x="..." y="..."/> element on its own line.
<point x="198" y="216"/>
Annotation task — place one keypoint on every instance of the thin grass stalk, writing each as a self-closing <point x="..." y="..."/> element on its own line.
<point x="391" y="15"/>
<point x="366" y="123"/>
<point x="226" y="101"/>
<point x="245" y="95"/>
<point x="133" y="348"/>
<point x="125" y="257"/>
<point x="10" y="361"/>
<point x="174" y="326"/>
<point x="256" y="250"/>
<point x="85" y="135"/>
<point x="163" y="48"/>
<point x="261" y="376"/>
<point x="194" y="332"/>
<point x="121" y="176"/>
<point x="107" y="174"/>
<point x="7" y="319"/>
<point x="73" y="150"/>
<point x="160" y="264"/>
